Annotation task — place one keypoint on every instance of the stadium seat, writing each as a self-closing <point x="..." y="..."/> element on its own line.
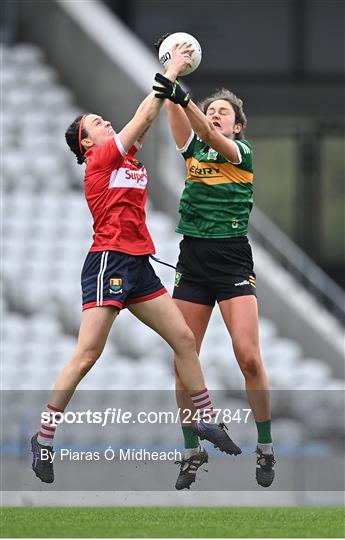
<point x="47" y="228"/>
<point x="25" y="55"/>
<point x="40" y="78"/>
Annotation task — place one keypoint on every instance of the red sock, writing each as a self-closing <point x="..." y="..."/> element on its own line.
<point x="203" y="404"/>
<point x="48" y="426"/>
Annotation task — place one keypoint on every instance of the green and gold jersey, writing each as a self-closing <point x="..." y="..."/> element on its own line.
<point x="218" y="195"/>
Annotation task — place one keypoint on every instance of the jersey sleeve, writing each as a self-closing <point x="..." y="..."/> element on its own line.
<point x="245" y="154"/>
<point x="134" y="149"/>
<point x="110" y="154"/>
<point x="187" y="150"/>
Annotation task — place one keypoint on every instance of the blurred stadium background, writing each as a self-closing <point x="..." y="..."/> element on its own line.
<point x="286" y="60"/>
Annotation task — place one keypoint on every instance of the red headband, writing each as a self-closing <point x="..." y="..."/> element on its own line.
<point x="79" y="133"/>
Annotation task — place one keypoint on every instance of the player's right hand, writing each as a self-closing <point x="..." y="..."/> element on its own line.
<point x="170" y="90"/>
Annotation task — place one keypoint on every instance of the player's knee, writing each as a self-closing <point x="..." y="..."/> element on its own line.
<point x="250" y="364"/>
<point x="86" y="358"/>
<point x="185" y="341"/>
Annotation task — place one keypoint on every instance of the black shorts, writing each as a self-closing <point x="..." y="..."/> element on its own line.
<point x="111" y="278"/>
<point x="210" y="270"/>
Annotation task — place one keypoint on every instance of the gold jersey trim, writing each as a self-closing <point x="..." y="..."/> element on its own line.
<point x="216" y="173"/>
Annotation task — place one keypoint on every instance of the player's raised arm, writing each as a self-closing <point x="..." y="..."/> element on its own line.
<point x="179" y="124"/>
<point x="150" y="107"/>
<point x="178" y="121"/>
<point x="207" y="127"/>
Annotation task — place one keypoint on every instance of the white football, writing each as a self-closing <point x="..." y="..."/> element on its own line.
<point x="165" y="49"/>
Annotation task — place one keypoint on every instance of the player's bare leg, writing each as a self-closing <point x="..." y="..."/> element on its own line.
<point x="93" y="333"/>
<point x="240" y="315"/>
<point x="241" y="318"/>
<point x="197" y="317"/>
<point x="94" y="329"/>
<point x="162" y="315"/>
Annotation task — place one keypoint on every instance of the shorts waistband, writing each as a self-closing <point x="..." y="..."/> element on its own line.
<point x="232" y="240"/>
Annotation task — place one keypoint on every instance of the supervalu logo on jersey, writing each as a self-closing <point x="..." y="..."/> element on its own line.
<point x="115" y="285"/>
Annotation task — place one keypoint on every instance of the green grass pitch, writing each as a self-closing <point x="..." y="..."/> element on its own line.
<point x="178" y="522"/>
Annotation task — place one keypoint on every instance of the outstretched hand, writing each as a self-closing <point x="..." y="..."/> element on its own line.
<point x="170" y="90"/>
<point x="181" y="58"/>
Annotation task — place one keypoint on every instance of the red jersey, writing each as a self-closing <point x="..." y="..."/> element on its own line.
<point x="115" y="190"/>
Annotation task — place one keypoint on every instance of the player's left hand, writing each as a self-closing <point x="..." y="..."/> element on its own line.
<point x="181" y="57"/>
<point x="171" y="90"/>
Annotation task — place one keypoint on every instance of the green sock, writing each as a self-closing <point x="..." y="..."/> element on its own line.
<point x="190" y="440"/>
<point x="264" y="431"/>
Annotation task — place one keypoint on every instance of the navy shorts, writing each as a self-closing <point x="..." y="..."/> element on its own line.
<point x="212" y="270"/>
<point x="111" y="278"/>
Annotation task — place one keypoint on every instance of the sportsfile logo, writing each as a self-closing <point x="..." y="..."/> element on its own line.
<point x="114" y="415"/>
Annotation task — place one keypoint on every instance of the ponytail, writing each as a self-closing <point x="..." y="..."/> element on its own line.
<point x="74" y="135"/>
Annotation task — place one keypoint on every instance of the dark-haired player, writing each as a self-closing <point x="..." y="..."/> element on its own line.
<point x="215" y="262"/>
<point x="117" y="272"/>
